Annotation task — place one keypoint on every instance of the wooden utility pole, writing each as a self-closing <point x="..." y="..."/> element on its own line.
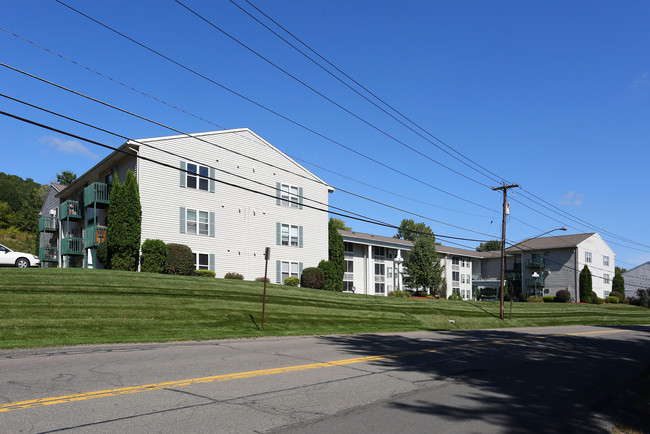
<point x="267" y="256"/>
<point x="505" y="188"/>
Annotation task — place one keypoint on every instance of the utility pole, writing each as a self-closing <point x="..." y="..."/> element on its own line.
<point x="505" y="189"/>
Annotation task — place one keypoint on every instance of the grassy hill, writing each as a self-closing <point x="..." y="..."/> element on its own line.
<point x="52" y="307"/>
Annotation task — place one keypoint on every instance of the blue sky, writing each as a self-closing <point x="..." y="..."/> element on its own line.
<point x="552" y="95"/>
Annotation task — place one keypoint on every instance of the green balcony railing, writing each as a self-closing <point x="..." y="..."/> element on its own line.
<point x="72" y="246"/>
<point x="70" y="209"/>
<point x="535" y="263"/>
<point x="513" y="275"/>
<point x="535" y="281"/>
<point x="95" y="235"/>
<point x="48" y="254"/>
<point x="96" y="193"/>
<point x="47" y="223"/>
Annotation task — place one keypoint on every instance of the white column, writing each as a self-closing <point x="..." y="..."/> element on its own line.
<point x="399" y="261"/>
<point x="370" y="287"/>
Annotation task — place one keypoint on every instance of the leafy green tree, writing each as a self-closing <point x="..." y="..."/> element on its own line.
<point x="618" y="283"/>
<point x="409" y="230"/>
<point x="336" y="256"/>
<point x="330" y="276"/>
<point x="585" y="285"/>
<point x="423" y="269"/>
<point x="620" y="270"/>
<point x="66" y="177"/>
<point x="340" y="224"/>
<point x="154" y="256"/>
<point x="489" y="246"/>
<point x="124" y="224"/>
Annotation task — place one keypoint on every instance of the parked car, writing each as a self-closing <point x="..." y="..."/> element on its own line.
<point x="17" y="259"/>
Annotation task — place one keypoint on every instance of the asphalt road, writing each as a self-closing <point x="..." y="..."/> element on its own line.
<point x="542" y="380"/>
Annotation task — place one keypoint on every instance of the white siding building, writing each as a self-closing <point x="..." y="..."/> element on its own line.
<point x="226" y="194"/>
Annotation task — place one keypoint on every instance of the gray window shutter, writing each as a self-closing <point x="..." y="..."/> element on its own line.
<point x="211" y="179"/>
<point x="182" y="172"/>
<point x="278" y="271"/>
<point x="278" y="234"/>
<point x="212" y="224"/>
<point x="182" y="220"/>
<point x="212" y="261"/>
<point x="299" y="197"/>
<point x="299" y="270"/>
<point x="299" y="236"/>
<point x="278" y="193"/>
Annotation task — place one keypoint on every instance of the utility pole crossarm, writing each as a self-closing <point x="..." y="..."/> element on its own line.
<point x="505" y="189"/>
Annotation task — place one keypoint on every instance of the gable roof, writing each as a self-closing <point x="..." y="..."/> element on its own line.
<point x="548" y="243"/>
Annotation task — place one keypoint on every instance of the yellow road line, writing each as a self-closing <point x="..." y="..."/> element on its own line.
<point x="248" y="374"/>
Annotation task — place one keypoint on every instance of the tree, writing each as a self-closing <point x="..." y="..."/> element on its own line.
<point x="336" y="256"/>
<point x="340" y="224"/>
<point x="423" y="269"/>
<point x="331" y="281"/>
<point x="618" y="283"/>
<point x="620" y="270"/>
<point x="124" y="224"/>
<point x="585" y="285"/>
<point x="66" y="177"/>
<point x="489" y="246"/>
<point x="409" y="230"/>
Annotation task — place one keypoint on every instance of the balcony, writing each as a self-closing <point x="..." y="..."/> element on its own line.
<point x="48" y="254"/>
<point x="535" y="263"/>
<point x="95" y="235"/>
<point x="72" y="246"/>
<point x="535" y="281"/>
<point x="96" y="194"/>
<point x="70" y="209"/>
<point x="47" y="223"/>
<point x="513" y="275"/>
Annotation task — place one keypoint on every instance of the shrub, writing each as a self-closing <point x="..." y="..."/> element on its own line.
<point x="398" y="293"/>
<point x="644" y="297"/>
<point x="102" y="254"/>
<point x="154" y="256"/>
<point x="312" y="277"/>
<point x="180" y="260"/>
<point x="523" y="296"/>
<point x="548" y="299"/>
<point x="420" y="293"/>
<point x="235" y="276"/>
<point x="333" y="280"/>
<point x="292" y="281"/>
<point x="205" y="273"/>
<point x="594" y="298"/>
<point x="599" y="300"/>
<point x="611" y="299"/>
<point x="262" y="279"/>
<point x="617" y="294"/>
<point x="535" y="299"/>
<point x="563" y="296"/>
<point x="455" y="297"/>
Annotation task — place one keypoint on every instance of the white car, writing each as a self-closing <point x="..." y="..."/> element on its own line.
<point x="17" y="259"/>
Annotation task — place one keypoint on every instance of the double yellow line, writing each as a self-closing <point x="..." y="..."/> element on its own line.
<point x="249" y="374"/>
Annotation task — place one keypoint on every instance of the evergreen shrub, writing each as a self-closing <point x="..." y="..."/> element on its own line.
<point x="154" y="256"/>
<point x="292" y="281"/>
<point x="205" y="273"/>
<point x="611" y="299"/>
<point x="312" y="277"/>
<point x="563" y="296"/>
<point x="617" y="294"/>
<point x="548" y="299"/>
<point x="180" y="260"/>
<point x="102" y="254"/>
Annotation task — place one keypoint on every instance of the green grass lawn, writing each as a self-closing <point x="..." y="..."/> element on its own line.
<point x="52" y="307"/>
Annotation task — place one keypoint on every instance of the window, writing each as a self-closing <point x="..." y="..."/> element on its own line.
<point x="389" y="272"/>
<point x="197" y="222"/>
<point x="289" y="195"/>
<point x="348" y="286"/>
<point x="201" y="261"/>
<point x="588" y="257"/>
<point x="379" y="269"/>
<point x="289" y="269"/>
<point x="455" y="276"/>
<point x="380" y="288"/>
<point x="606" y="278"/>
<point x="462" y="278"/>
<point x="195" y="172"/>
<point x="289" y="235"/>
<point x="455" y="260"/>
<point x="349" y="266"/>
<point x="379" y="251"/>
<point x="349" y="247"/>
<point x="606" y="260"/>
<point x="463" y="263"/>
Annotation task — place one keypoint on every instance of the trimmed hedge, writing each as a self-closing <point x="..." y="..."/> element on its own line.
<point x="612" y="299"/>
<point x="235" y="276"/>
<point x="548" y="299"/>
<point x="399" y="294"/>
<point x="154" y="256"/>
<point x="312" y="277"/>
<point x="563" y="296"/>
<point x="292" y="281"/>
<point x="180" y="260"/>
<point x="205" y="273"/>
<point x="619" y="295"/>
